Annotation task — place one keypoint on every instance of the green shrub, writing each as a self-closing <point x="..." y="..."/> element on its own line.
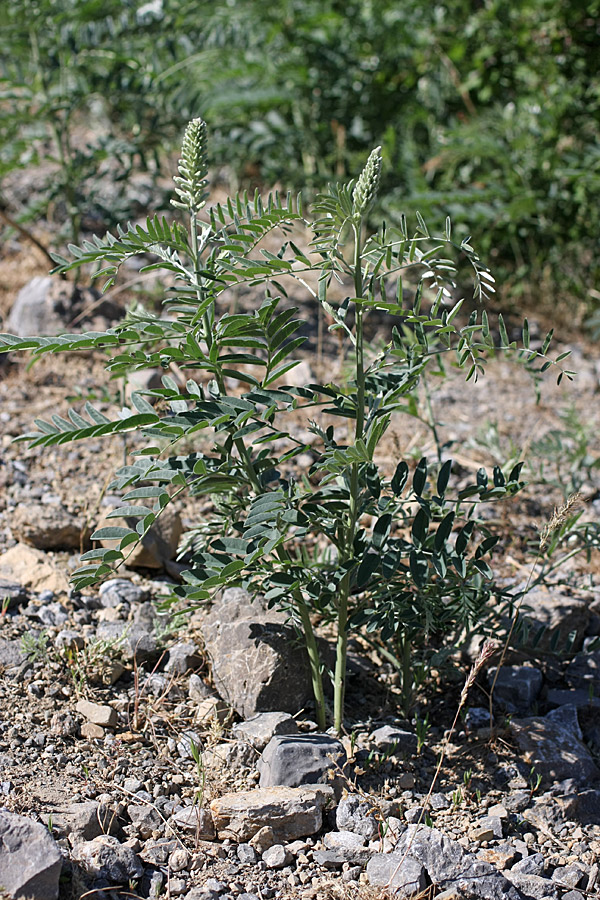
<point x="399" y="553"/>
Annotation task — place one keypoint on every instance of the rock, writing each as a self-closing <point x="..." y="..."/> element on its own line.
<point x="415" y="815"/>
<point x="97" y="713"/>
<point x="263" y="839"/>
<point x="403" y="877"/>
<point x="246" y="854"/>
<point x="69" y="640"/>
<point x="30" y="861"/>
<point x="328" y="859"/>
<point x="84" y="821"/>
<point x="198" y="690"/>
<point x="183" y="656"/>
<point x="584" y="671"/>
<point x="49" y="526"/>
<point x="477" y="717"/>
<point x="351" y="847"/>
<point x="158" y="547"/>
<point x="120" y="590"/>
<point x="104" y="857"/>
<point x="145" y="818"/>
<point x="502" y="857"/>
<point x="258" y="664"/>
<point x="355" y="814"/>
<point x="184" y="744"/>
<point x="534" y="887"/>
<point x="577" y="697"/>
<point x="131" y="640"/>
<point x="33" y="311"/>
<point x="531" y="865"/>
<point x="486" y="829"/>
<point x="552" y="745"/>
<point x="290" y="812"/>
<point x="301" y="759"/>
<point x="395" y="741"/>
<point x="195" y="820"/>
<point x="15" y="593"/>
<point x="92" y="732"/>
<point x="11" y="654"/>
<point x="570" y="876"/>
<point x="52" y="614"/>
<point x="583" y="807"/>
<point x="233" y="755"/>
<point x="32" y="569"/>
<point x="212" y="708"/>
<point x="259" y="729"/>
<point x="276" y="857"/>
<point x="560" y="613"/>
<point x="517" y="687"/>
<point x="447" y="865"/>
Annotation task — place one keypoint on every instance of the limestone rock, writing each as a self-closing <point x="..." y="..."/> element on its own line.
<point x="301" y="759"/>
<point x="33" y="569"/>
<point x="290" y="812"/>
<point x="120" y="590"/>
<point x="356" y="815"/>
<point x="552" y="744"/>
<point x="394" y="740"/>
<point x="183" y="656"/>
<point x="84" y="821"/>
<point x="258" y="663"/>
<point x="259" y="729"/>
<point x="30" y="861"/>
<point x="517" y="687"/>
<point x="404" y="877"/>
<point x="97" y="713"/>
<point x="104" y="857"/>
<point x="48" y="526"/>
<point x="158" y="547"/>
<point x="195" y="820"/>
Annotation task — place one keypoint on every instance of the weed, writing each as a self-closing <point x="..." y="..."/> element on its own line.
<point x="34" y="645"/>
<point x="422" y="727"/>
<point x="422" y="561"/>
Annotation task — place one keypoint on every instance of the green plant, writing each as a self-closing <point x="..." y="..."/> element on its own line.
<point x="390" y="552"/>
<point x="200" y="771"/>
<point x="422" y="727"/>
<point x="34" y="644"/>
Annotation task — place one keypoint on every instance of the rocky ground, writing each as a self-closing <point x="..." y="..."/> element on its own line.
<point x="149" y="757"/>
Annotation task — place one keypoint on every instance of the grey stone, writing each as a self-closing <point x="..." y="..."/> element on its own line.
<point x="577" y="697"/>
<point x="329" y="859"/>
<point x="492" y="824"/>
<point x="389" y="739"/>
<point x="404" y="877"/>
<point x="132" y="640"/>
<point x="533" y="886"/>
<point x="69" y="640"/>
<point x="276" y="857"/>
<point x="289" y="812"/>
<point x="570" y="876"/>
<point x="30" y="861"/>
<point x="560" y="612"/>
<point x="439" y="801"/>
<point x="52" y="614"/>
<point x="258" y="663"/>
<point x="11" y="654"/>
<point x="448" y="866"/>
<point x="259" y="729"/>
<point x="33" y="311"/>
<point x="13" y="592"/>
<point x="183" y="657"/>
<point x="146" y="819"/>
<point x="517" y="687"/>
<point x="583" y="807"/>
<point x="105" y="857"/>
<point x="477" y="717"/>
<point x="552" y="745"/>
<point x="194" y="820"/>
<point x="584" y="671"/>
<point x="350" y="846"/>
<point x="356" y="815"/>
<point x="573" y="895"/>
<point x="415" y="815"/>
<point x="301" y="759"/>
<point x="85" y="821"/>
<point x="246" y="854"/>
<point x="184" y="744"/>
<point x="531" y="865"/>
<point x="198" y="690"/>
<point x="121" y="590"/>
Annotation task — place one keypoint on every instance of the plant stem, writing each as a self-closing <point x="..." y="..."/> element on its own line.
<point x="341" y="654"/>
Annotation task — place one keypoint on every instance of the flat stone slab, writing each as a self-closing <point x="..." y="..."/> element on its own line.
<point x="291" y="812"/>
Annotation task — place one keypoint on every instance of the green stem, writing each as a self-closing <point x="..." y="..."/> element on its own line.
<point x="339" y="688"/>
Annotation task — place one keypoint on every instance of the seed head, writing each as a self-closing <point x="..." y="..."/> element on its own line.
<point x="193" y="169"/>
<point x="368" y="182"/>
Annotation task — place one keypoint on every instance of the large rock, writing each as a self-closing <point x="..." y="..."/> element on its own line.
<point x="584" y="671"/>
<point x="48" y="526"/>
<point x="105" y="858"/>
<point x="517" y="687"/>
<point x="48" y="306"/>
<point x="553" y="746"/>
<point x="447" y="865"/>
<point x="355" y="814"/>
<point x="84" y="821"/>
<point x="158" y="547"/>
<point x="560" y="613"/>
<point x="32" y="569"/>
<point x="301" y="759"/>
<point x="30" y="861"/>
<point x="259" y="729"/>
<point x="258" y="663"/>
<point x="290" y="812"/>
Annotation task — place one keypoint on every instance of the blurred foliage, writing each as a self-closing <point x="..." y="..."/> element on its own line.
<point x="487" y="111"/>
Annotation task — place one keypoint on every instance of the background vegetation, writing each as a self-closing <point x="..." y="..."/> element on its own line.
<point x="489" y="112"/>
